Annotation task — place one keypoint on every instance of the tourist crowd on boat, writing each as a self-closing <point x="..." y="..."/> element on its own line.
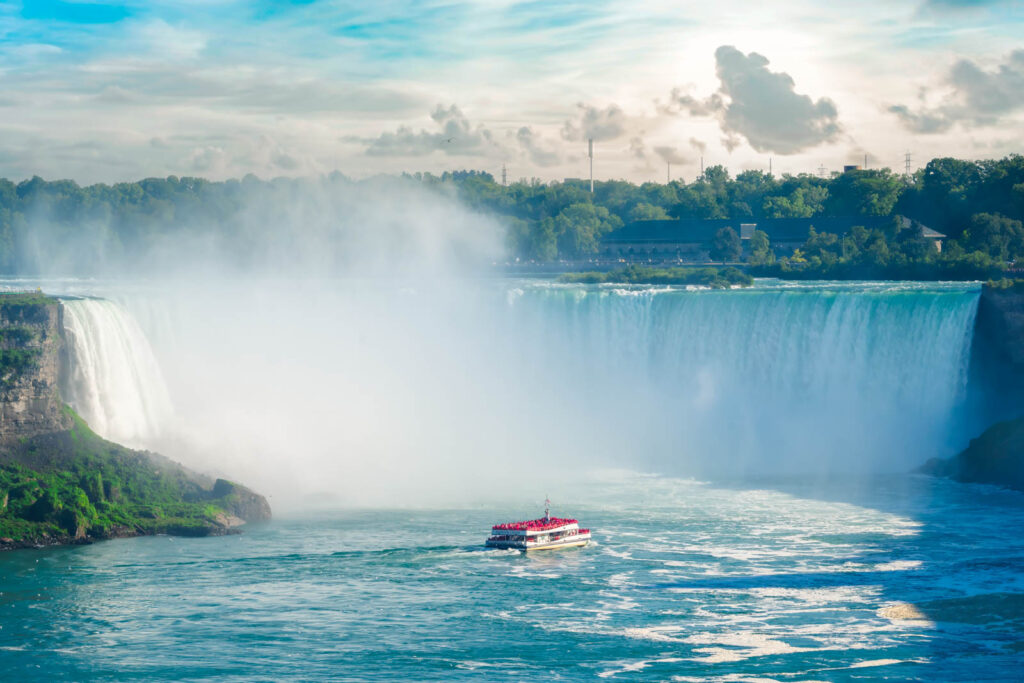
<point x="543" y="524"/>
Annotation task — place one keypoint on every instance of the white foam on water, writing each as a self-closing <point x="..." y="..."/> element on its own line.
<point x="630" y="667"/>
<point x="875" y="662"/>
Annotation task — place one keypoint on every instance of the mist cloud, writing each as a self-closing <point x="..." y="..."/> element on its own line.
<point x="976" y="96"/>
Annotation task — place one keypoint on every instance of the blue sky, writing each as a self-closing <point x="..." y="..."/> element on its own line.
<point x="107" y="91"/>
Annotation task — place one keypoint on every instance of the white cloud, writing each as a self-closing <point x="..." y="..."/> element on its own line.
<point x="976" y="96"/>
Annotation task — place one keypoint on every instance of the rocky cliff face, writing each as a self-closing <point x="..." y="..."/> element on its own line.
<point x="1000" y="324"/>
<point x="31" y="340"/>
<point x="995" y="457"/>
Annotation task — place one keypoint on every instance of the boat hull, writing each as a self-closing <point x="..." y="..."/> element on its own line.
<point x="558" y="546"/>
<point x="553" y="545"/>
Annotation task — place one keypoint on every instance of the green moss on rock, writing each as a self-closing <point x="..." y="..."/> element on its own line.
<point x="75" y="486"/>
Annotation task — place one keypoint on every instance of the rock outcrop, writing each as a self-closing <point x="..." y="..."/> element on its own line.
<point x="31" y="342"/>
<point x="241" y="501"/>
<point x="995" y="457"/>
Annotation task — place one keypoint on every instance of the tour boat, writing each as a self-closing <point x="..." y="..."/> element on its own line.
<point x="546" y="533"/>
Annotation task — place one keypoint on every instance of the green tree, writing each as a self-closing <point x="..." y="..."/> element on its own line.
<point x="579" y="227"/>
<point x="1000" y="237"/>
<point x="647" y="212"/>
<point x="760" y="249"/>
<point x="863" y="193"/>
<point x="725" y="246"/>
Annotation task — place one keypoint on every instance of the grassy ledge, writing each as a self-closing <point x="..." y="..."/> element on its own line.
<point x="716" y="278"/>
<point x="75" y="487"/>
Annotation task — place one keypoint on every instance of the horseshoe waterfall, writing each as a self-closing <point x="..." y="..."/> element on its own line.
<point x="791" y="379"/>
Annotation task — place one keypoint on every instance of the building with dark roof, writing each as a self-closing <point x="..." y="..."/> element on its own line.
<point x="690" y="239"/>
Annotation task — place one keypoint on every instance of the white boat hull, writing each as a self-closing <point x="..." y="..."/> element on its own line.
<point x="576" y="542"/>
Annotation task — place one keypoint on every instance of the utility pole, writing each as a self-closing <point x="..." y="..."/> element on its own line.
<point x="769" y="165"/>
<point x="701" y="165"/>
<point x="668" y="172"/>
<point x="590" y="153"/>
<point x="906" y="166"/>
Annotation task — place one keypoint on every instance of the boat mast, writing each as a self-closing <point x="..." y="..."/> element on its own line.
<point x="547" y="506"/>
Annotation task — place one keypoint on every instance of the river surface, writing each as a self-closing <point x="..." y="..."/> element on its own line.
<point x="896" y="578"/>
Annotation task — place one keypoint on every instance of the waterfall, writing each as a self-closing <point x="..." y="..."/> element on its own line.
<point x="351" y="388"/>
<point x="775" y="377"/>
<point x="114" y="381"/>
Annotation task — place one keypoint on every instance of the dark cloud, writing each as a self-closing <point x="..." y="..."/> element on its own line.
<point x="698" y="145"/>
<point x="760" y="105"/>
<point x="976" y="97"/>
<point x="535" y="148"/>
<point x="596" y="124"/>
<point x="670" y="155"/>
<point x="921" y="121"/>
<point x="455" y="136"/>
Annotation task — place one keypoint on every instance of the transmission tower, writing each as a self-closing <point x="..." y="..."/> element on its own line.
<point x="504" y="176"/>
<point x="906" y="165"/>
<point x="590" y="153"/>
<point x="821" y="171"/>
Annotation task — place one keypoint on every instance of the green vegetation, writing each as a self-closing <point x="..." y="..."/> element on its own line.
<point x="977" y="204"/>
<point x="75" y="485"/>
<point x="25" y="307"/>
<point x="726" y="245"/>
<point x="1005" y="284"/>
<point x="20" y="346"/>
<point x="716" y="278"/>
<point x="892" y="253"/>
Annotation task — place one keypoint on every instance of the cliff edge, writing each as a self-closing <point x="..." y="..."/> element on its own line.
<point x="997" y="455"/>
<point x="1000" y="321"/>
<point x="62" y="483"/>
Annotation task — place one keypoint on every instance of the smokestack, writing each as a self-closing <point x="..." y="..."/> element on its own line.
<point x="590" y="153"/>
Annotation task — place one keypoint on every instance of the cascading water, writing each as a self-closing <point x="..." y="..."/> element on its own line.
<point x="798" y="378"/>
<point x="360" y="388"/>
<point x="114" y="381"/>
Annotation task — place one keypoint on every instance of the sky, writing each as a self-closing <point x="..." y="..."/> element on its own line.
<point x="102" y="91"/>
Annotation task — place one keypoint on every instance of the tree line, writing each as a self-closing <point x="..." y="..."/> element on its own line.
<point x="979" y="205"/>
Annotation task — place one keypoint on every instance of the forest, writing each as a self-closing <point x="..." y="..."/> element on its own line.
<point x="978" y="205"/>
